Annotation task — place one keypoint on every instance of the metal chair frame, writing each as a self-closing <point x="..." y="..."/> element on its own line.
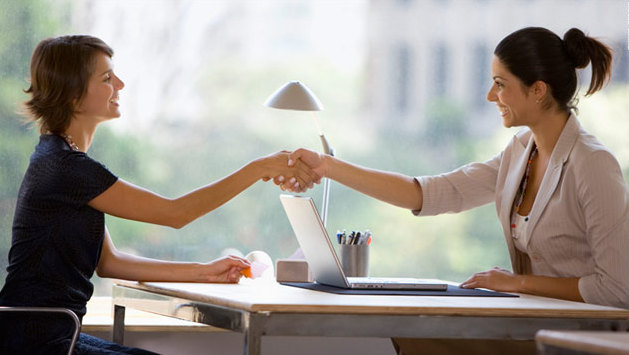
<point x="69" y="313"/>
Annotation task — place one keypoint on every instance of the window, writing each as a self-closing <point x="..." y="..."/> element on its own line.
<point x="197" y="73"/>
<point x="440" y="69"/>
<point x="401" y="78"/>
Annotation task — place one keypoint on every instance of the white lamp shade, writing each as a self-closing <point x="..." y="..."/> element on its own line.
<point x="294" y="96"/>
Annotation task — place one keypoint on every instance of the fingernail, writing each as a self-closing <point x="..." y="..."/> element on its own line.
<point x="292" y="180"/>
<point x="290" y="162"/>
<point x="280" y="179"/>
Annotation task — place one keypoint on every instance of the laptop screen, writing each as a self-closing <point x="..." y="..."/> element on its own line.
<point x="314" y="240"/>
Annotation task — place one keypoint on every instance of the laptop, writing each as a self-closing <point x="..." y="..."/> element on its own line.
<point x="322" y="259"/>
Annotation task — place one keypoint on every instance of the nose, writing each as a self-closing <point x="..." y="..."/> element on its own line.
<point x="491" y="95"/>
<point x="119" y="84"/>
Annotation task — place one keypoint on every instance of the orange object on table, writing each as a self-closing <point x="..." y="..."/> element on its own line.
<point x="246" y="272"/>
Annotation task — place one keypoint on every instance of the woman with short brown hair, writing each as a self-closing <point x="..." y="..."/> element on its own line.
<point x="59" y="234"/>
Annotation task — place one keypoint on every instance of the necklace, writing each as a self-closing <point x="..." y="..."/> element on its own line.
<point x="68" y="139"/>
<point x="525" y="180"/>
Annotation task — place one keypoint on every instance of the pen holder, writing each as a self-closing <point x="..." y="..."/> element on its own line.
<point x="355" y="259"/>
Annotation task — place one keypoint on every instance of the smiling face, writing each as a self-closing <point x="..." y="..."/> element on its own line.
<point x="100" y="101"/>
<point x="515" y="101"/>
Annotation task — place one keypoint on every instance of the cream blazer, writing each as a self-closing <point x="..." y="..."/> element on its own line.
<point x="579" y="222"/>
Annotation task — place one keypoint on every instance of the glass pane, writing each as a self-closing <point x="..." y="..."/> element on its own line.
<point x="403" y="84"/>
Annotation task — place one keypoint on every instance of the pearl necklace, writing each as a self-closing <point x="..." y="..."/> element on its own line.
<point x="68" y="139"/>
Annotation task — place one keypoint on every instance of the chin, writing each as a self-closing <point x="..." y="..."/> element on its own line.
<point x="506" y="123"/>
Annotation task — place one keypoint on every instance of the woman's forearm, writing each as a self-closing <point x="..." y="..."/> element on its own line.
<point x="131" y="267"/>
<point x="119" y="265"/>
<point x="502" y="280"/>
<point x="555" y="287"/>
<point x="207" y="198"/>
<point x="394" y="188"/>
<point x="116" y="264"/>
<point x="128" y="201"/>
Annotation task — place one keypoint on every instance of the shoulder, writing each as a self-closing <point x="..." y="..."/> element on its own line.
<point x="588" y="152"/>
<point x="56" y="161"/>
<point x="594" y="168"/>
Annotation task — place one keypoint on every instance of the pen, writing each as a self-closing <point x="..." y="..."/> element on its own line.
<point x="354" y="238"/>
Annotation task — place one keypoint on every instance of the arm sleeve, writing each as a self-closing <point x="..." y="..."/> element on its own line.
<point x="80" y="179"/>
<point x="469" y="186"/>
<point x="605" y="204"/>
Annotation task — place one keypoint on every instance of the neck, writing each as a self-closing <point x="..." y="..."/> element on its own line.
<point x="81" y="135"/>
<point x="547" y="130"/>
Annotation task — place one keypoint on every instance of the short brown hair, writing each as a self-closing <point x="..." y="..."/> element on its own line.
<point x="60" y="71"/>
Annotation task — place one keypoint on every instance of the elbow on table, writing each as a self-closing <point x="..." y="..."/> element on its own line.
<point x="604" y="291"/>
<point x="623" y="299"/>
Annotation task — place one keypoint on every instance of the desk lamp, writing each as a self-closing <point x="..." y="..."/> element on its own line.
<point x="297" y="96"/>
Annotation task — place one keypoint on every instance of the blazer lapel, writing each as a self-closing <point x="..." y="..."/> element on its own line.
<point x="551" y="178"/>
<point x="517" y="164"/>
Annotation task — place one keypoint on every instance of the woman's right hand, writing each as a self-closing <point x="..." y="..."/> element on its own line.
<point x="297" y="177"/>
<point x="227" y="269"/>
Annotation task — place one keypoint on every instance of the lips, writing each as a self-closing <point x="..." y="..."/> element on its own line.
<point x="503" y="111"/>
<point x="115" y="101"/>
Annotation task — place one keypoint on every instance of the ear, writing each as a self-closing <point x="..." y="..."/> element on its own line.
<point x="76" y="103"/>
<point x="539" y="90"/>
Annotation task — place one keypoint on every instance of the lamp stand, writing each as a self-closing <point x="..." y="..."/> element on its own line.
<point x="326" y="182"/>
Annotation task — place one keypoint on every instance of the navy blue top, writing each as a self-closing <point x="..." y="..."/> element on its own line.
<point x="57" y="238"/>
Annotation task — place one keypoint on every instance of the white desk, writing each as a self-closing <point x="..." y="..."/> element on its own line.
<point x="260" y="307"/>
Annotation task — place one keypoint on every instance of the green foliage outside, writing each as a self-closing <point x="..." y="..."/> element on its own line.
<point x="178" y="157"/>
<point x="22" y="25"/>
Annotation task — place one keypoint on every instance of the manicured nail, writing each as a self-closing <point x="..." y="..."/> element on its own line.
<point x="280" y="179"/>
<point x="290" y="162"/>
<point x="292" y="180"/>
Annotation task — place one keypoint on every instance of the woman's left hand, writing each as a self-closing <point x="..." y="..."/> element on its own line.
<point x="225" y="270"/>
<point x="496" y="279"/>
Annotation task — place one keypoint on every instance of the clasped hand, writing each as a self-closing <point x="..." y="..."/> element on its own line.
<point x="290" y="175"/>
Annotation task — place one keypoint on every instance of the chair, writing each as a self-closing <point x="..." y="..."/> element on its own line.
<point x="69" y="313"/>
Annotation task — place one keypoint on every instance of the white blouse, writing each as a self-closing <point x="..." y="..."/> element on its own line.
<point x="519" y="225"/>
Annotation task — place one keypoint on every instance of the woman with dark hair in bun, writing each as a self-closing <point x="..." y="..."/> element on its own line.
<point x="559" y="193"/>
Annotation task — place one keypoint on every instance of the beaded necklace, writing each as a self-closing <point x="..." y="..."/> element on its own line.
<point x="68" y="139"/>
<point x="525" y="180"/>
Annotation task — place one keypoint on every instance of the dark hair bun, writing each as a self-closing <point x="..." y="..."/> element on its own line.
<point x="577" y="47"/>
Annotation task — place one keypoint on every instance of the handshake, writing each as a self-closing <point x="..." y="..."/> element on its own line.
<point x="295" y="171"/>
